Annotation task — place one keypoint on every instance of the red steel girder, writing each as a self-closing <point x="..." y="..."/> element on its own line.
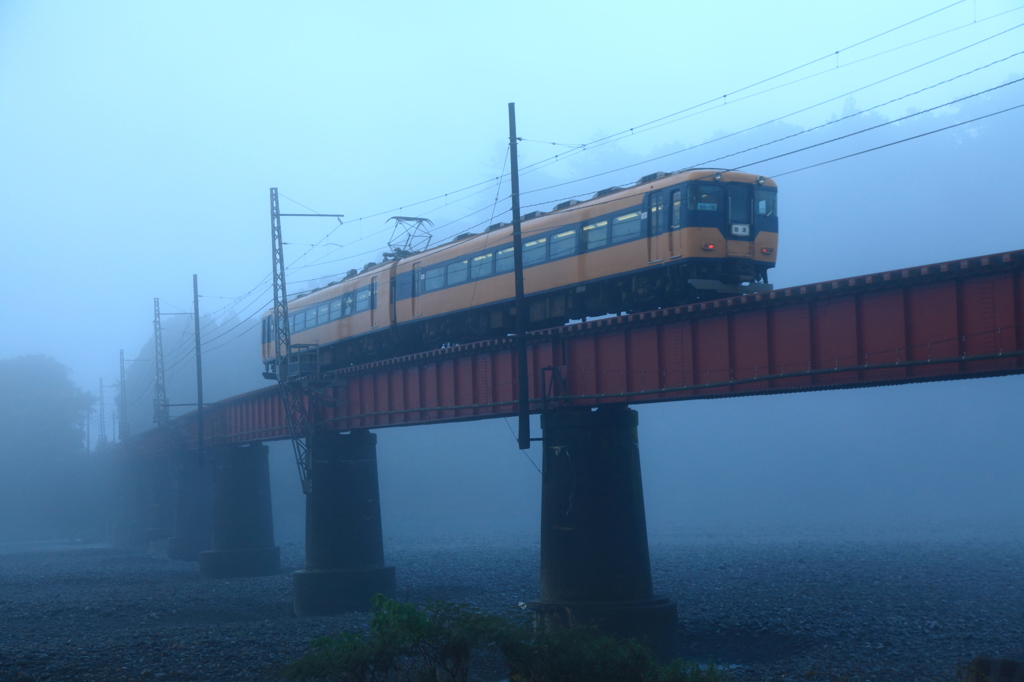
<point x="946" y="321"/>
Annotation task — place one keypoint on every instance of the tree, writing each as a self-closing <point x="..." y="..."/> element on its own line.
<point x="44" y="475"/>
<point x="42" y="412"/>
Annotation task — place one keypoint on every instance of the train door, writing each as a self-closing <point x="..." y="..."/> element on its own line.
<point x="675" y="224"/>
<point x="655" y="226"/>
<point x="393" y="299"/>
<point x="374" y="315"/>
<point x="739" y="242"/>
<point x="417" y="288"/>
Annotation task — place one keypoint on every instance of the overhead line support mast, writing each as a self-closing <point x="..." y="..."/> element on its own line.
<point x="123" y="403"/>
<point x="523" y="382"/>
<point x="161" y="411"/>
<point x="298" y="401"/>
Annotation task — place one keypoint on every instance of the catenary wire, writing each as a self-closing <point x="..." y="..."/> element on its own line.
<point x="634" y="129"/>
<point x="799" y="133"/>
<point x="461" y="218"/>
<point x="692" y="111"/>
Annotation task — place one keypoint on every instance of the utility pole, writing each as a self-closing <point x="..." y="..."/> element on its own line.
<point x="102" y="437"/>
<point x="521" y="313"/>
<point x="161" y="411"/>
<point x="123" y="407"/>
<point x="199" y="364"/>
<point x="298" y="411"/>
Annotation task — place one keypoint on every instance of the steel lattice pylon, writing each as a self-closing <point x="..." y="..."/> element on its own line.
<point x="298" y="399"/>
<point x="161" y="411"/>
<point x="297" y="411"/>
<point x="101" y="438"/>
<point x="282" y="334"/>
<point x="122" y="410"/>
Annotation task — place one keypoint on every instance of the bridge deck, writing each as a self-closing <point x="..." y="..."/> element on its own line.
<point x="945" y="321"/>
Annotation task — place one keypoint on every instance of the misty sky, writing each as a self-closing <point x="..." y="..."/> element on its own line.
<point x="138" y="142"/>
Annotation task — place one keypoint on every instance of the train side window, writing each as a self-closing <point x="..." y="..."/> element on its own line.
<point x="433" y="278"/>
<point x="534" y="251"/>
<point x="563" y="244"/>
<point x="323" y="313"/>
<point x="505" y="260"/>
<point x="656" y="216"/>
<point x="677" y="209"/>
<point x="625" y="227"/>
<point x="362" y="300"/>
<point x="348" y="305"/>
<point x="704" y="197"/>
<point x="298" y="322"/>
<point x="458" y="272"/>
<point x="764" y="202"/>
<point x="595" y="235"/>
<point x="335" y="309"/>
<point x="482" y="266"/>
<point x="310" y="318"/>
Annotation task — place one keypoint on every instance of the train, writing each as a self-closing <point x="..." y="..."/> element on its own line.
<point x="669" y="239"/>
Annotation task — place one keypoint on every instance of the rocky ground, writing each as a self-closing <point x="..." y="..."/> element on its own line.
<point x="770" y="610"/>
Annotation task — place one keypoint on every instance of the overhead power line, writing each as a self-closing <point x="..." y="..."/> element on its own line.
<point x="896" y="142"/>
<point x="652" y="124"/>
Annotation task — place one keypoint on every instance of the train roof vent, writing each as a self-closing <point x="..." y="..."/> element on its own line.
<point x="651" y="177"/>
<point x="566" y="204"/>
<point x="607" y="191"/>
<point x="369" y="266"/>
<point x="533" y="214"/>
<point x="464" y="235"/>
<point x="351" y="273"/>
<point x="495" y="226"/>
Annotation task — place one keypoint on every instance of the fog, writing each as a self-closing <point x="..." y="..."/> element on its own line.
<point x="139" y="145"/>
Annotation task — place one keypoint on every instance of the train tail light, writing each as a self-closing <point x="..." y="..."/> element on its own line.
<point x="708" y="247"/>
<point x="767" y="251"/>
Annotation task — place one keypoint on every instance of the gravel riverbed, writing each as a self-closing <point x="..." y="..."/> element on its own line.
<point x="769" y="610"/>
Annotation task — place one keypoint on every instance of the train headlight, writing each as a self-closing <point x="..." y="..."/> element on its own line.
<point x="708" y="247"/>
<point x="718" y="176"/>
<point x="760" y="179"/>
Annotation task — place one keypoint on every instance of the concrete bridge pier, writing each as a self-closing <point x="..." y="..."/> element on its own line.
<point x="344" y="540"/>
<point x="193" y="518"/>
<point x="134" y="506"/>
<point x="243" y="524"/>
<point x="160" y="500"/>
<point x="594" y="560"/>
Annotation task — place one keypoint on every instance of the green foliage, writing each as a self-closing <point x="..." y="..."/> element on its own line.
<point x="406" y="643"/>
<point x="581" y="655"/>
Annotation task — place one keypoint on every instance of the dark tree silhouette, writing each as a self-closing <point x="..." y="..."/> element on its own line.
<point x="47" y="483"/>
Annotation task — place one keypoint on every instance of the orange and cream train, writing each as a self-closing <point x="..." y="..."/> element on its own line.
<point x="669" y="239"/>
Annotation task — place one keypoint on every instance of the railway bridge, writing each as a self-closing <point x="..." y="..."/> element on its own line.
<point x="953" y="320"/>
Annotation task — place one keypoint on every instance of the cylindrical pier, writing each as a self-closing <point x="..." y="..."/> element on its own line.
<point x="193" y="519"/>
<point x="594" y="563"/>
<point x="243" y="524"/>
<point x="344" y="541"/>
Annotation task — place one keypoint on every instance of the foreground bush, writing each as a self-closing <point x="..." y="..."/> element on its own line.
<point x="435" y="643"/>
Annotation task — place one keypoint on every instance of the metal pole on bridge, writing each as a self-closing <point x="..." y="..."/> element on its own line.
<point x="517" y="252"/>
<point x="199" y="366"/>
<point x="122" y="409"/>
